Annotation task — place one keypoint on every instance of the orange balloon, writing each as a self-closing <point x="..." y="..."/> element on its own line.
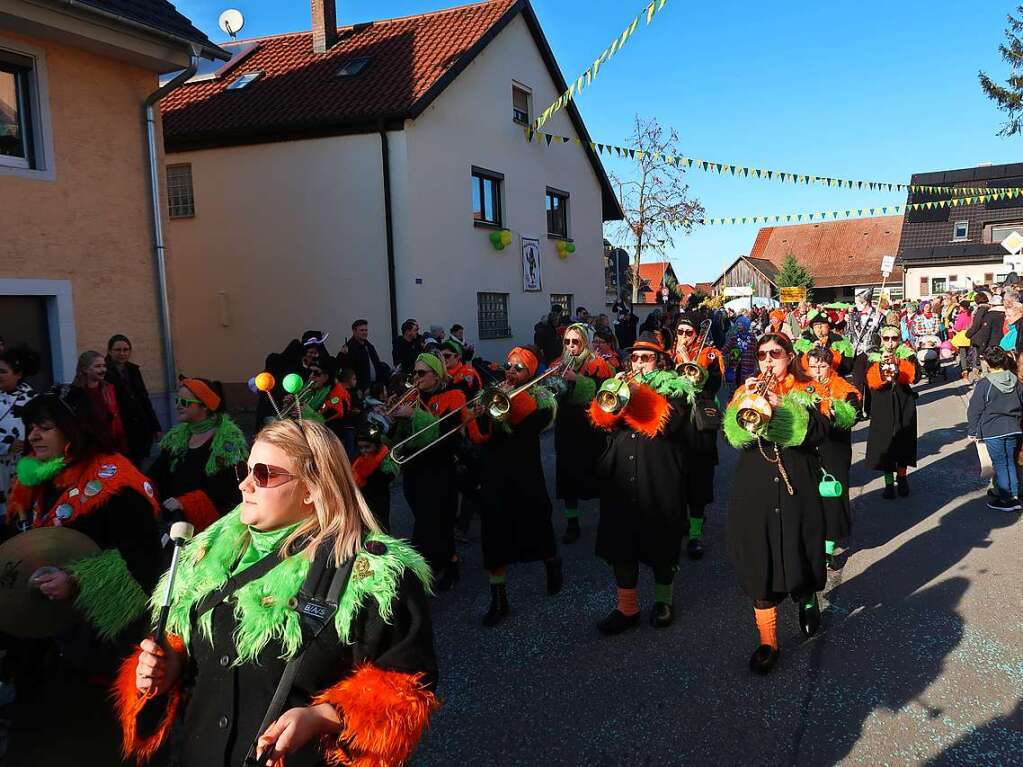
<point x="265" y="382"/>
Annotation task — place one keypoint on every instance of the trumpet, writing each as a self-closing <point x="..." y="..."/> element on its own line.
<point x="692" y="369"/>
<point x="615" y="394"/>
<point x="410" y="397"/>
<point x="755" y="410"/>
<point x="888" y="368"/>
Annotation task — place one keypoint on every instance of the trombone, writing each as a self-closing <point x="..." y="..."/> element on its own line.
<point x="695" y="373"/>
<point x="494" y="400"/>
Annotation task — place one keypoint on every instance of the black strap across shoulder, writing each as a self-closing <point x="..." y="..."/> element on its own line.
<point x="236" y="581"/>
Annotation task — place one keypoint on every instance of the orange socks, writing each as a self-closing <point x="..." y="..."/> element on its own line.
<point x="767" y="625"/>
<point x="628" y="602"/>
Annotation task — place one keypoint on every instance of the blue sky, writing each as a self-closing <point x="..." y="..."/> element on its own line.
<point x="871" y="90"/>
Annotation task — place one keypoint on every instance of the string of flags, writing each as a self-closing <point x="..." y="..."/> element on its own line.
<point x="587" y="77"/>
<point x="746" y="171"/>
<point x="888" y="210"/>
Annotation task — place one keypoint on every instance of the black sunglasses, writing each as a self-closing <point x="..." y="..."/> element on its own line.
<point x="514" y="366"/>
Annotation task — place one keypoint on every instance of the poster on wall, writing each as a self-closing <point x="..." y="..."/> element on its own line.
<point x="531" y="265"/>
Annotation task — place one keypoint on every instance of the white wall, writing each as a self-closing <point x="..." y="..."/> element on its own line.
<point x="978" y="273"/>
<point x="470" y="123"/>
<point x="293" y="234"/>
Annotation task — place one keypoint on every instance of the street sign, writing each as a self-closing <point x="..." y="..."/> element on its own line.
<point x="887" y="265"/>
<point x="733" y="292"/>
<point x="791" y="295"/>
<point x="1013" y="243"/>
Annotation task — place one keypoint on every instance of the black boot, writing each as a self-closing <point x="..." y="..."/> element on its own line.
<point x="498" y="605"/>
<point x="829" y="560"/>
<point x="448" y="577"/>
<point x="555" y="575"/>
<point x="763" y="659"/>
<point x="572" y="530"/>
<point x="662" y="615"/>
<point x="888" y="493"/>
<point x="903" y="483"/>
<point x="694" y="548"/>
<point x="616" y="622"/>
<point x="809" y="617"/>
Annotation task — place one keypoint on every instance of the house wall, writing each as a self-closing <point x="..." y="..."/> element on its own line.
<point x="470" y="123"/>
<point x="980" y="273"/>
<point x="286" y="237"/>
<point x="87" y="224"/>
<point x="742" y="275"/>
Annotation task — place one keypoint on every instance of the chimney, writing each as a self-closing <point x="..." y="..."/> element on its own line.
<point x="324" y="25"/>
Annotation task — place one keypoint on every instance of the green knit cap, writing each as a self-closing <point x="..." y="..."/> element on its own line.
<point x="432" y="361"/>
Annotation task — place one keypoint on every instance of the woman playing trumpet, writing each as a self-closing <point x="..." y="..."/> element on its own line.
<point x="891" y="446"/>
<point x="775" y="518"/>
<point x="577" y="444"/>
<point x="642" y="480"/>
<point x="705" y="368"/>
<point x="515" y="512"/>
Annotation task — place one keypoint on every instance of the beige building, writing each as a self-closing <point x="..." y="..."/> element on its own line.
<point x="77" y="238"/>
<point x="359" y="172"/>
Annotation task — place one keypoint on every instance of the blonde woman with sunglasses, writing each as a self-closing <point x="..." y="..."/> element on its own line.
<point x="299" y="572"/>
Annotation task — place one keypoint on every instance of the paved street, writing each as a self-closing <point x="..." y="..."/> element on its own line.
<point x="920" y="660"/>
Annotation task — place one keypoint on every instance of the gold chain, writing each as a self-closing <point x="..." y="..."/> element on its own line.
<point x="777" y="462"/>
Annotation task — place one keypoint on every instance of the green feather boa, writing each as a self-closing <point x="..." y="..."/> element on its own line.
<point x="787" y="427"/>
<point x="669" y="384"/>
<point x="227" y="448"/>
<point x="108" y="594"/>
<point x="262" y="607"/>
<point x="844" y="347"/>
<point x="421" y="420"/>
<point x="583" y="392"/>
<point x="903" y="352"/>
<point x="33" y="471"/>
<point x="802" y="346"/>
<point x="843" y="415"/>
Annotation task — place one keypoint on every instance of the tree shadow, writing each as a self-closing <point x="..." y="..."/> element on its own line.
<point x="997" y="742"/>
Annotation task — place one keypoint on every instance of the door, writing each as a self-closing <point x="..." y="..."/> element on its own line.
<point x="23" y="321"/>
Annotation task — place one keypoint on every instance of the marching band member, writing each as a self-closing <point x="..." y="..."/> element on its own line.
<point x="576" y="443"/>
<point x="691" y="348"/>
<point x="891" y="445"/>
<point x="429" y="480"/>
<point x="515" y="512"/>
<point x="642" y="480"/>
<point x="374" y="471"/>
<point x="256" y="592"/>
<point x="838" y="401"/>
<point x="73" y="479"/>
<point x="775" y="518"/>
<point x="820" y="334"/>
<point x="195" y="471"/>
<point x="328" y="399"/>
<point x="461" y="374"/>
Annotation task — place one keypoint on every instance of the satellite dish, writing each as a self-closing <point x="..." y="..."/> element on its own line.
<point x="231" y="21"/>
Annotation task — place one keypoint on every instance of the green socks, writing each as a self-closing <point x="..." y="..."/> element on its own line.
<point x="497" y="579"/>
<point x="572" y="511"/>
<point x="829" y="547"/>
<point x="664" y="592"/>
<point x="695" y="527"/>
<point x="889" y="478"/>
<point x="811" y="601"/>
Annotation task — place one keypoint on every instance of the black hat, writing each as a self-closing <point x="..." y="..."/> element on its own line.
<point x="369" y="432"/>
<point x="314" y="337"/>
<point x="647" y="342"/>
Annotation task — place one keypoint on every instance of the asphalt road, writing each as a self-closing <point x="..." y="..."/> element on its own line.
<point x="920" y="660"/>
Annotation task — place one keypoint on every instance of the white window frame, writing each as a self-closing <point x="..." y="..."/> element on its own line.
<point x="60" y="317"/>
<point x="956" y="237"/>
<point x="517" y="86"/>
<point x="42" y="168"/>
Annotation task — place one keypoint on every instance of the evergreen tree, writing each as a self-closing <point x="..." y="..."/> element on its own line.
<point x="794" y="275"/>
<point x="1009" y="96"/>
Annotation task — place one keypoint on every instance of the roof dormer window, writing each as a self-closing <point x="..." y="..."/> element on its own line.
<point x="352" y="67"/>
<point x="244" y="80"/>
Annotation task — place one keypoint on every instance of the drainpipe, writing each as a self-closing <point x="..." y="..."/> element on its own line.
<point x="159" y="246"/>
<point x="385" y="156"/>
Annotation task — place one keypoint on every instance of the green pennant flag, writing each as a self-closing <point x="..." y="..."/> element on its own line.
<point x="632" y="153"/>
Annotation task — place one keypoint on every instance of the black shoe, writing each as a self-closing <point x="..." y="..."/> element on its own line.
<point x="829" y="559"/>
<point x="694" y="548"/>
<point x="763" y="659"/>
<point x="448" y="577"/>
<point x="888" y="493"/>
<point x="662" y="615"/>
<point x="903" y="483"/>
<point x="616" y="622"/>
<point x="572" y="531"/>
<point x="498" y="605"/>
<point x="555" y="576"/>
<point x="810" y="617"/>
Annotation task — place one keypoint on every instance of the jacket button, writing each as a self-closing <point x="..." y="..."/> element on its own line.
<point x="632" y="458"/>
<point x="222" y="723"/>
<point x="776" y="511"/>
<point x="634" y="435"/>
<point x="632" y="479"/>
<point x="225" y="660"/>
<point x="776" y="480"/>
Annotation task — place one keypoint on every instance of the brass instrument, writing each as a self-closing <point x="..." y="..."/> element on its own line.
<point x="888" y="367"/>
<point x="755" y="410"/>
<point x="410" y="397"/>
<point x="615" y="393"/>
<point x="691" y="369"/>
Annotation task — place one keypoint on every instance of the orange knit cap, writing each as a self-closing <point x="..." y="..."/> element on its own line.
<point x="206" y="395"/>
<point x="528" y="359"/>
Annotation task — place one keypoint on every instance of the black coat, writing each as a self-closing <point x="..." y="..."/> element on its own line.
<point x="836" y="457"/>
<point x="578" y="447"/>
<point x="189" y="474"/>
<point x="404" y="353"/>
<point x="702" y="448"/>
<point x="377" y="492"/>
<point x="515" y="510"/>
<point x="776" y="540"/>
<point x="892" y="439"/>
<point x="642" y="493"/>
<point x="364" y="360"/>
<point x="140" y="422"/>
<point x="227" y="702"/>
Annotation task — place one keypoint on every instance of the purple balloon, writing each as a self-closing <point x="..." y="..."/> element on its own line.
<point x="252" y="385"/>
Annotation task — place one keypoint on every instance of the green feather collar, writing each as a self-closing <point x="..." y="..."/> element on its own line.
<point x="669" y="384"/>
<point x="227" y="448"/>
<point x="33" y="471"/>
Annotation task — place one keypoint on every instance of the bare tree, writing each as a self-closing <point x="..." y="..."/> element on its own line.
<point x="655" y="197"/>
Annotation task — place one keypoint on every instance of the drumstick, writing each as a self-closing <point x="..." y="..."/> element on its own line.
<point x="180" y="533"/>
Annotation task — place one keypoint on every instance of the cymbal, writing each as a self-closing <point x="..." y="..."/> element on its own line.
<point x="24" y="611"/>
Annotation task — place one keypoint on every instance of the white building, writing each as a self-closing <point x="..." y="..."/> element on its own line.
<point x="326" y="176"/>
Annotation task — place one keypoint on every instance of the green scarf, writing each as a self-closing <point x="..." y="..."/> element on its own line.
<point x="261" y="543"/>
<point x="33" y="471"/>
<point x="227" y="448"/>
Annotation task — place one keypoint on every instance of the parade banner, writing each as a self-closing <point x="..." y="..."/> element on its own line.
<point x="531" y="279"/>
<point x="590" y="74"/>
<point x="791" y="295"/>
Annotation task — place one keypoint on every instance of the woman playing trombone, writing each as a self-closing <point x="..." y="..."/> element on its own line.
<point x="577" y="444"/>
<point x="776" y="518"/>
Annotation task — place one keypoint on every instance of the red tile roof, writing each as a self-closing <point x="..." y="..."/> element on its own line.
<point x="652" y="275"/>
<point x="836" y="252"/>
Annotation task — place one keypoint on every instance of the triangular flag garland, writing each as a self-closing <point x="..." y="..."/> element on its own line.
<point x="587" y="77"/>
<point x="772" y="175"/>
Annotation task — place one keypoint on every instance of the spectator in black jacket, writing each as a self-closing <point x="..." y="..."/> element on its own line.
<point x="545" y="335"/>
<point x="141" y="425"/>
<point x="361" y="356"/>
<point x="407" y="346"/>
